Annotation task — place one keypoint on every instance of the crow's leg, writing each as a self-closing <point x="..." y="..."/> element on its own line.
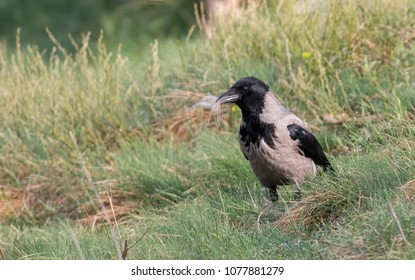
<point x="297" y="195"/>
<point x="273" y="194"/>
<point x="271" y="202"/>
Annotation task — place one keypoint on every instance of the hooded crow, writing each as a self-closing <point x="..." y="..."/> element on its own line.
<point x="279" y="146"/>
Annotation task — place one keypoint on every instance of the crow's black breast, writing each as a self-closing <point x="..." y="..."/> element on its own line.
<point x="253" y="131"/>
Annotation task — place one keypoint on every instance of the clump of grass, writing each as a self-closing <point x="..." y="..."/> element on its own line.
<point x="312" y="211"/>
<point x="154" y="171"/>
<point x="44" y="98"/>
<point x="349" y="191"/>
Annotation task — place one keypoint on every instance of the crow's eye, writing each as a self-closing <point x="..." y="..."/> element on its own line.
<point x="244" y="90"/>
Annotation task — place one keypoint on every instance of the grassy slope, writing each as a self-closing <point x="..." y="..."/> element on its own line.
<point x="346" y="68"/>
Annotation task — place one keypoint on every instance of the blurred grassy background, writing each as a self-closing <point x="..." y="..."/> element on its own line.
<point x="132" y="22"/>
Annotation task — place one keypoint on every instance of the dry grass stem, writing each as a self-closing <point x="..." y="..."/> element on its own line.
<point x="94" y="188"/>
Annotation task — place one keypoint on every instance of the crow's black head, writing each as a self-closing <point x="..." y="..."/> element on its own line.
<point x="248" y="93"/>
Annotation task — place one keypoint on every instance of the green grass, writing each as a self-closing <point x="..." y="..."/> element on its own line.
<point x="346" y="67"/>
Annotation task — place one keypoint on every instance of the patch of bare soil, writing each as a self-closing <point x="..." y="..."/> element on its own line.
<point x="44" y="201"/>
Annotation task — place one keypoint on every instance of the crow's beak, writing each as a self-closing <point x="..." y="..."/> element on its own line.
<point x="228" y="97"/>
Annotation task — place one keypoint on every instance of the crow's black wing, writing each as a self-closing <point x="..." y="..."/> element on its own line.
<point x="309" y="145"/>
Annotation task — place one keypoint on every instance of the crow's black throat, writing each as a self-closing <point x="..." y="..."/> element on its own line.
<point x="253" y="130"/>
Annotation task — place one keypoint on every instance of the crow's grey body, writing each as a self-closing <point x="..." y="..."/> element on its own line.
<point x="284" y="163"/>
<point x="279" y="146"/>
